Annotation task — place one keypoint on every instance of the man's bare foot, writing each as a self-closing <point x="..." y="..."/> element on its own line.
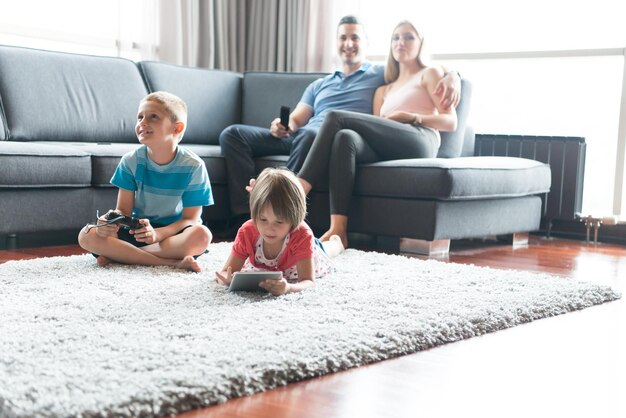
<point x="103" y="261"/>
<point x="336" y="238"/>
<point x="343" y="237"/>
<point x="250" y="185"/>
<point x="333" y="246"/>
<point x="189" y="263"/>
<point x="305" y="185"/>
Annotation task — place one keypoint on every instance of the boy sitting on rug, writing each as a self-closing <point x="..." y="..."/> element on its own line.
<point x="162" y="184"/>
<point x="278" y="239"/>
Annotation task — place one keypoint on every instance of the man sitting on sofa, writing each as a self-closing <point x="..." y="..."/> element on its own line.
<point x="350" y="88"/>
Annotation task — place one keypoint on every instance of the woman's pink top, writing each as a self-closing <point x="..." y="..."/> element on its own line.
<point x="411" y="97"/>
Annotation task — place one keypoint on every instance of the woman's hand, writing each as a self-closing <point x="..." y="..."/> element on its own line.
<point x="106" y="230"/>
<point x="276" y="287"/>
<point x="225" y="277"/>
<point x="278" y="130"/>
<point x="147" y="234"/>
<point x="401" y="116"/>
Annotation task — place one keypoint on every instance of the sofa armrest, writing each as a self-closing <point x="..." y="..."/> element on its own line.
<point x="469" y="143"/>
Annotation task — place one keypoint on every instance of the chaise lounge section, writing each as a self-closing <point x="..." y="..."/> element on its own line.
<point x="66" y="119"/>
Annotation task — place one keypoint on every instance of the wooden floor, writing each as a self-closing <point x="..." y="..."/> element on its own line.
<point x="573" y="365"/>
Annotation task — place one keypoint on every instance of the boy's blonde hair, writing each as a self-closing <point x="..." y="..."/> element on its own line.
<point x="281" y="189"/>
<point x="175" y="107"/>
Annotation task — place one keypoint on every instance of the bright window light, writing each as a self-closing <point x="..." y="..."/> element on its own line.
<point x="114" y="27"/>
<point x="541" y="96"/>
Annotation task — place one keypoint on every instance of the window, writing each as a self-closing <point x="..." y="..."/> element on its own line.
<point x="569" y="96"/>
<point x="114" y="28"/>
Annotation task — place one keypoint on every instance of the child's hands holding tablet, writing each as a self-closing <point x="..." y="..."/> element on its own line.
<point x="276" y="287"/>
<point x="250" y="281"/>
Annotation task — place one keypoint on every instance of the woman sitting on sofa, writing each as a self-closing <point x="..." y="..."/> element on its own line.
<point x="407" y="117"/>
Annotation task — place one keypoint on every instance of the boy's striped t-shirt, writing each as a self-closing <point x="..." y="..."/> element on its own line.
<point x="162" y="191"/>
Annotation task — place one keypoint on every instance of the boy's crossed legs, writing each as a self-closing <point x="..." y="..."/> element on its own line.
<point x="177" y="251"/>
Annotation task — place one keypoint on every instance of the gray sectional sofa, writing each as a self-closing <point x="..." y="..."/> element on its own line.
<point x="66" y="119"/>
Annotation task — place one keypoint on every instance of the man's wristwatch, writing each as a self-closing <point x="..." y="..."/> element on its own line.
<point x="417" y="121"/>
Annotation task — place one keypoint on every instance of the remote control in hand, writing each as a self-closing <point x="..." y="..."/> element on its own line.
<point x="284" y="116"/>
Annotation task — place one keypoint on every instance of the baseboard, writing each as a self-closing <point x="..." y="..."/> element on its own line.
<point x="575" y="229"/>
<point x="38" y="239"/>
<point x="610" y="234"/>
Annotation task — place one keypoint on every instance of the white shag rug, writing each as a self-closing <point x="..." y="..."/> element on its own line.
<point x="78" y="340"/>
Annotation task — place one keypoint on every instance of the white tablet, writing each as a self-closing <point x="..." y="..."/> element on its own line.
<point x="249" y="281"/>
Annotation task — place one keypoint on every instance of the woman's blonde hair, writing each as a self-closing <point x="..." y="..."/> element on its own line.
<point x="281" y="189"/>
<point x="392" y="69"/>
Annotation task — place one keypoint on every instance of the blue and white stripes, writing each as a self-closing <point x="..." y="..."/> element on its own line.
<point x="162" y="191"/>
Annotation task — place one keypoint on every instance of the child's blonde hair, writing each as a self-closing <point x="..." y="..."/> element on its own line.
<point x="281" y="189"/>
<point x="175" y="107"/>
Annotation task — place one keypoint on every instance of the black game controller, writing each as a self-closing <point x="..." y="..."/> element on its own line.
<point x="284" y="116"/>
<point x="123" y="220"/>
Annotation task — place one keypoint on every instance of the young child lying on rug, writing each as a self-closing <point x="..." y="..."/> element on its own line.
<point x="162" y="184"/>
<point x="278" y="239"/>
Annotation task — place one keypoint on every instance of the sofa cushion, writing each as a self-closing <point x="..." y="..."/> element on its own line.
<point x="104" y="157"/>
<point x="265" y="92"/>
<point x="213" y="97"/>
<point x="446" y="179"/>
<point x="55" y="96"/>
<point x="464" y="178"/>
<point x="214" y="161"/>
<point x="29" y="165"/>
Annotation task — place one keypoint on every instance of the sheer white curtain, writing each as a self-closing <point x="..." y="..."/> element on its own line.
<point x="137" y="35"/>
<point x="113" y="28"/>
<point x="242" y="35"/>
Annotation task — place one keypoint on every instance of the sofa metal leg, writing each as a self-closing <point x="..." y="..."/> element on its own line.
<point x="11" y="242"/>
<point x="520" y="239"/>
<point x="419" y="246"/>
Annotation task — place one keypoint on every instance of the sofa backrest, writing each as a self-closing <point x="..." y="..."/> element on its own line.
<point x="3" y="131"/>
<point x="453" y="143"/>
<point x="265" y="92"/>
<point x="55" y="96"/>
<point x="213" y="97"/>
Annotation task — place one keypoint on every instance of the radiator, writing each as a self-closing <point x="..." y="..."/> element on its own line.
<point x="564" y="154"/>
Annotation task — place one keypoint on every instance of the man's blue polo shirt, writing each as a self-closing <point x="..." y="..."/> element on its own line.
<point x="337" y="91"/>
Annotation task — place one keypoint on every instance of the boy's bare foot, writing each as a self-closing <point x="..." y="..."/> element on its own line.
<point x="343" y="237"/>
<point x="103" y="261"/>
<point x="189" y="263"/>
